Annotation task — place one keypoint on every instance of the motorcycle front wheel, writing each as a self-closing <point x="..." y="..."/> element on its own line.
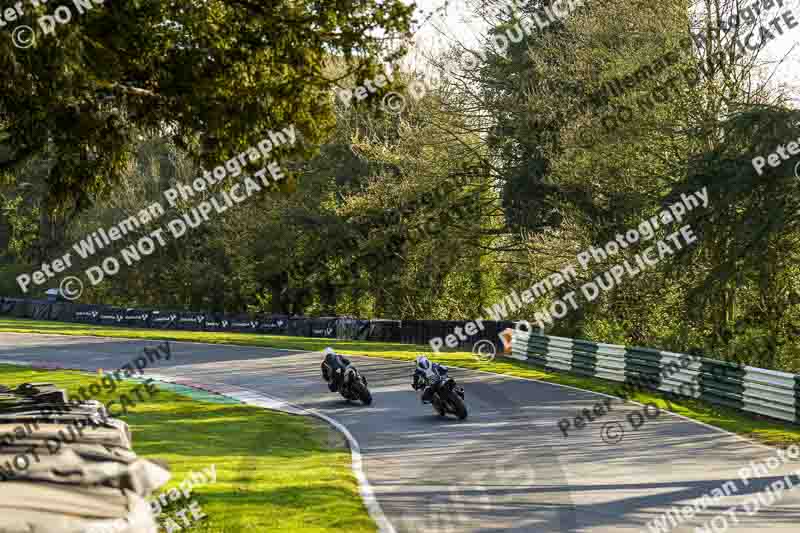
<point x="438" y="408"/>
<point x="363" y="393"/>
<point x="459" y="408"/>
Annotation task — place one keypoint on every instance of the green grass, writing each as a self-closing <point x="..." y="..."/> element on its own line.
<point x="762" y="429"/>
<point x="275" y="472"/>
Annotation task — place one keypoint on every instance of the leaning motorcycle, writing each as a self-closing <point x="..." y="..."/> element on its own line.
<point x="449" y="398"/>
<point x="354" y="385"/>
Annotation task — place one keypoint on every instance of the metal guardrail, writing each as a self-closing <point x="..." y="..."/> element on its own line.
<point x="756" y="390"/>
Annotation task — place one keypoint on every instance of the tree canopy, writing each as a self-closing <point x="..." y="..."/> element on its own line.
<point x="511" y="162"/>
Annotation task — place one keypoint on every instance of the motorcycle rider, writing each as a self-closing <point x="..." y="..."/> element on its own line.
<point x="333" y="369"/>
<point x="428" y="375"/>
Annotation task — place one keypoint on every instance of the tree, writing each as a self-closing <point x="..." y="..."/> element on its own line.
<point x="216" y="76"/>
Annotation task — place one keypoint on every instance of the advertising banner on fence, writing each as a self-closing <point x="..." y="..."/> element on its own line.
<point x="408" y="331"/>
<point x="274" y="324"/>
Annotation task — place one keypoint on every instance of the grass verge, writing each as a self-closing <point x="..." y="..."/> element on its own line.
<point x="761" y="429"/>
<point x="275" y="472"/>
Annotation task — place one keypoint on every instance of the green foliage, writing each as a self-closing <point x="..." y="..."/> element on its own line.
<point x="8" y="277"/>
<point x="570" y="181"/>
<point x="495" y="178"/>
<point x="215" y="76"/>
<point x="23" y="225"/>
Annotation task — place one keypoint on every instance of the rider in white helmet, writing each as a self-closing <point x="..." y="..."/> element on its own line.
<point x="427" y="374"/>
<point x="333" y="368"/>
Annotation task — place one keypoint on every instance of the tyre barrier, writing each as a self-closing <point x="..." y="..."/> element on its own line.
<point x="67" y="466"/>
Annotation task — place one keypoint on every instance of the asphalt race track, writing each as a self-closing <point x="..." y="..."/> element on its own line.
<point x="507" y="467"/>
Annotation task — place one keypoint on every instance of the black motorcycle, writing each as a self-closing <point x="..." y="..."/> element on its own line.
<point x="349" y="382"/>
<point x="448" y="397"/>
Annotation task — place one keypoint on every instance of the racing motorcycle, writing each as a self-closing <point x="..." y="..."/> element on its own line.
<point x="448" y="396"/>
<point x="352" y="385"/>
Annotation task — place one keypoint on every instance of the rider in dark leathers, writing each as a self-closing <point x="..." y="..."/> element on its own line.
<point x="333" y="368"/>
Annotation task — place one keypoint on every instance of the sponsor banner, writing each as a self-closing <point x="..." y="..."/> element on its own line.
<point x="88" y="314"/>
<point x="323" y="327"/>
<point x="138" y="318"/>
<point x="244" y="324"/>
<point x="414" y="332"/>
<point x="39" y="310"/>
<point x="217" y="322"/>
<point x="111" y="316"/>
<point x="164" y="319"/>
<point x="275" y="324"/>
<point x="191" y="321"/>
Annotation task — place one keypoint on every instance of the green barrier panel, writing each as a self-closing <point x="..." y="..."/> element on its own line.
<point x="584" y="357"/>
<point x="797" y="398"/>
<point x="722" y="383"/>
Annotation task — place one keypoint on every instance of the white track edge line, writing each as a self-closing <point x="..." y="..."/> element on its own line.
<point x="365" y="489"/>
<point x="357" y="464"/>
<point x="709" y="426"/>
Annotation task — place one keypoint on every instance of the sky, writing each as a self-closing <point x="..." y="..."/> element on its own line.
<point x="453" y="22"/>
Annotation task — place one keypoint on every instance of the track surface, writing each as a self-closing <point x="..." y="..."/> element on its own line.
<point x="506" y="468"/>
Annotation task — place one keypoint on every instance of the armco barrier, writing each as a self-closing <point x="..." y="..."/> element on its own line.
<point x="764" y="392"/>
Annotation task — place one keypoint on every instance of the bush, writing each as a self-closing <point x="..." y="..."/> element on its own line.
<point x="9" y="286"/>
